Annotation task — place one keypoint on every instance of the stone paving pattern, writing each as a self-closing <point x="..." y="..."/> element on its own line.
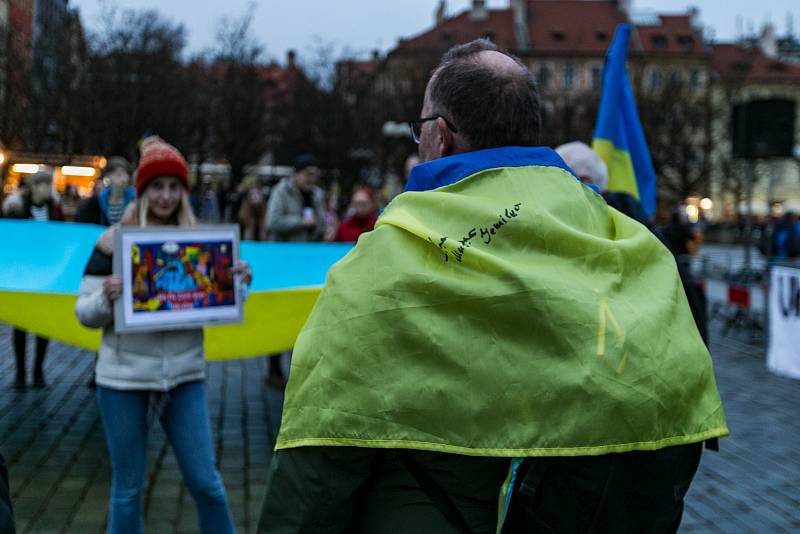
<point x="60" y="473"/>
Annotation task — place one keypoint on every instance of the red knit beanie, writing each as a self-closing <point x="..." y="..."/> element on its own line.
<point x="160" y="159"/>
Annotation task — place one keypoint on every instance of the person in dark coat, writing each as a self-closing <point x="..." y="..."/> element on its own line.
<point x="34" y="201"/>
<point x="684" y="241"/>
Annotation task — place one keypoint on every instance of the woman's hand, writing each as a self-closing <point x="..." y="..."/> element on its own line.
<point x="112" y="288"/>
<point x="243" y="269"/>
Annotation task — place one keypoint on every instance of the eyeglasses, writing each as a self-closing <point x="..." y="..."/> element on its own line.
<point x="416" y="126"/>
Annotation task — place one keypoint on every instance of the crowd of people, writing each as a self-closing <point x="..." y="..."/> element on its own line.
<point x="475" y="370"/>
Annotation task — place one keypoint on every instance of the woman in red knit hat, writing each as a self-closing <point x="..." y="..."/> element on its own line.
<point x="145" y="375"/>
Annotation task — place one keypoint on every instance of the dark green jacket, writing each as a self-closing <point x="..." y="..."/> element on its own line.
<point x="361" y="490"/>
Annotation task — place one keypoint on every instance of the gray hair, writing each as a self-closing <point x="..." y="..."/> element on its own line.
<point x="585" y="163"/>
<point x="490" y="107"/>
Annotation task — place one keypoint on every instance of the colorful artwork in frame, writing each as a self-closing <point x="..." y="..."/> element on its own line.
<point x="176" y="278"/>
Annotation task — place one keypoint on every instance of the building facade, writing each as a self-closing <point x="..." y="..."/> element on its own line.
<point x="683" y="87"/>
<point x="16" y="32"/>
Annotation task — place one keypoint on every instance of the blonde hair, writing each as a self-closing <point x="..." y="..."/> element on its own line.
<point x="183" y="216"/>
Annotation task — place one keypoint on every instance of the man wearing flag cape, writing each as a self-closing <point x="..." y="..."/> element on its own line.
<point x="503" y="352"/>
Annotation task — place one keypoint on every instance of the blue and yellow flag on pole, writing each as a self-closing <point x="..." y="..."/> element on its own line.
<point x="618" y="137"/>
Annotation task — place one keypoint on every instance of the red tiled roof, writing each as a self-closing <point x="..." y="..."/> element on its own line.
<point x="499" y="24"/>
<point x="675" y="35"/>
<point x="280" y="80"/>
<point x="572" y="26"/>
<point x="583" y="27"/>
<point x="735" y="62"/>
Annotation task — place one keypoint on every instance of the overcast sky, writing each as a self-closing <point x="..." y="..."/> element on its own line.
<point x="363" y="25"/>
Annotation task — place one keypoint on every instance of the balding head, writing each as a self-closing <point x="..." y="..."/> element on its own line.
<point x="488" y="96"/>
<point x="501" y="63"/>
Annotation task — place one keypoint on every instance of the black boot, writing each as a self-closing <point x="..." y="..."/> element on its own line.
<point x="20" y="337"/>
<point x="275" y="376"/>
<point x="38" y="369"/>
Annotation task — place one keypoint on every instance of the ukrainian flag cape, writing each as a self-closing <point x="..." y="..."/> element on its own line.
<point x="41" y="265"/>
<point x="501" y="308"/>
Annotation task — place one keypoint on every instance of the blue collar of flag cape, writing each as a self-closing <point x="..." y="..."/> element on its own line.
<point x="451" y="169"/>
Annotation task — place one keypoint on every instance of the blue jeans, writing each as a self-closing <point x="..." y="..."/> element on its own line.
<point x="185" y="421"/>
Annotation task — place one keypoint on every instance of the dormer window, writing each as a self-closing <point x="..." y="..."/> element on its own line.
<point x="558" y="35"/>
<point x="686" y="42"/>
<point x="601" y="35"/>
<point x="741" y="67"/>
<point x="659" y="41"/>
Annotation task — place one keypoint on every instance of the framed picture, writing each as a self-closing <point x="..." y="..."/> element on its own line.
<point x="176" y="278"/>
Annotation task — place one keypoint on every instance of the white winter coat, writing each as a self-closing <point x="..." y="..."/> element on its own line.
<point x="156" y="361"/>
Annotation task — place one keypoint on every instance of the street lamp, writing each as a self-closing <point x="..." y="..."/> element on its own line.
<point x="68" y="170"/>
<point x="25" y="168"/>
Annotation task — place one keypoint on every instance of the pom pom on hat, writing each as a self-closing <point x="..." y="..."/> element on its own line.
<point x="159" y="158"/>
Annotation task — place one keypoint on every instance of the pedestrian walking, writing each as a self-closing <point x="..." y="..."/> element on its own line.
<point x="143" y="376"/>
<point x="34" y="201"/>
<point x="501" y="331"/>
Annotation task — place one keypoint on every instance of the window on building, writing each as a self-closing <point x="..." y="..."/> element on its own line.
<point x="596" y="77"/>
<point x="686" y="42"/>
<point x="675" y="79"/>
<point x="659" y="41"/>
<point x="543" y="75"/>
<point x="601" y="35"/>
<point x="569" y="75"/>
<point x="655" y="79"/>
<point x="696" y="79"/>
<point x="558" y="35"/>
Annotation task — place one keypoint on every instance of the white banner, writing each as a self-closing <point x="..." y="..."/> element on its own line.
<point x="784" y="322"/>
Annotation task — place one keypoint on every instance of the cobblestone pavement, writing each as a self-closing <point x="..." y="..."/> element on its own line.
<point x="60" y="475"/>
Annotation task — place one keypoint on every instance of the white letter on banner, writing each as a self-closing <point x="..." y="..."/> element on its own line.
<point x="783" y="356"/>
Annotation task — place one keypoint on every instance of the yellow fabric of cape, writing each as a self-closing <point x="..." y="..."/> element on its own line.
<point x="512" y="313"/>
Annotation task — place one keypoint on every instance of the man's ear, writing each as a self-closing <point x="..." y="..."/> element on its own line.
<point x="446" y="141"/>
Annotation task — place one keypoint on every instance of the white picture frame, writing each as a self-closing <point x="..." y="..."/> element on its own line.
<point x="176" y="278"/>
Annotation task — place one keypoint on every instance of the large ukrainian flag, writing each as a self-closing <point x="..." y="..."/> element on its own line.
<point x="618" y="137"/>
<point x="41" y="265"/>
